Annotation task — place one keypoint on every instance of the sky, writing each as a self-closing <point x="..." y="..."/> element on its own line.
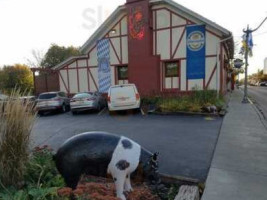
<point x="27" y="25"/>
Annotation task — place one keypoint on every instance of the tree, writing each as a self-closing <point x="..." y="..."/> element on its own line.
<point x="37" y="59"/>
<point x="19" y="76"/>
<point x="57" y="54"/>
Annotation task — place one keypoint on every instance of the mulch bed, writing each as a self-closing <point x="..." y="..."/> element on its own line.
<point x="94" y="188"/>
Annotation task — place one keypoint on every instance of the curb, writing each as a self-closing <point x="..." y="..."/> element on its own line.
<point x="185" y="114"/>
<point x="170" y="179"/>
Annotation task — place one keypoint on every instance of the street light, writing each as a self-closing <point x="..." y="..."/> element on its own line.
<point x="248" y="32"/>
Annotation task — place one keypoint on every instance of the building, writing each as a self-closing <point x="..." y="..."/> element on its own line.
<point x="159" y="45"/>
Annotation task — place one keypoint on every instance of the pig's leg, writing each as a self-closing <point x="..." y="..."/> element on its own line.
<point x="119" y="180"/>
<point x="72" y="181"/>
<point x="127" y="184"/>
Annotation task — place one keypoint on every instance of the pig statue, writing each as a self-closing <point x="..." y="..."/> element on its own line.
<point x="102" y="154"/>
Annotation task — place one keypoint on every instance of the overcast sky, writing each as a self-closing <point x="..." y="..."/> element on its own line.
<point x="27" y="25"/>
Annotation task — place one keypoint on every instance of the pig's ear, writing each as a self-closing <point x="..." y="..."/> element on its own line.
<point x="155" y="157"/>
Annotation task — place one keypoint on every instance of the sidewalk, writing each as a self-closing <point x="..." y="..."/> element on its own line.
<point x="239" y="166"/>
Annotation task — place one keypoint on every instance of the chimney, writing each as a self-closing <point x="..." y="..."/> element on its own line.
<point x="143" y="68"/>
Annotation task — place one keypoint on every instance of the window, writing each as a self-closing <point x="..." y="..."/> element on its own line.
<point x="171" y="69"/>
<point x="123" y="73"/>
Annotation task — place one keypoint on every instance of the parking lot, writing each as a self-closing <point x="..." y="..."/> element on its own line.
<point x="185" y="143"/>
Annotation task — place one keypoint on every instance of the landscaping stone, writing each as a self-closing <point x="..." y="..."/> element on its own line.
<point x="188" y="193"/>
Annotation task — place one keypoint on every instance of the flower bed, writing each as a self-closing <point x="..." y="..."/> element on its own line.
<point x="94" y="188"/>
<point x="42" y="181"/>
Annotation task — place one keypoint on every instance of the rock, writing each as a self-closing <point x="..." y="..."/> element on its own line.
<point x="188" y="193"/>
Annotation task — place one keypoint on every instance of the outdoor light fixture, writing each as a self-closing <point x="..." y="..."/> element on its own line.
<point x="113" y="31"/>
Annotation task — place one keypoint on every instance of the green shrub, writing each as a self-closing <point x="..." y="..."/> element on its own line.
<point x="41" y="179"/>
<point x="41" y="170"/>
<point x="188" y="103"/>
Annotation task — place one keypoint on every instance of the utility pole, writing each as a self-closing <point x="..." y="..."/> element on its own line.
<point x="248" y="32"/>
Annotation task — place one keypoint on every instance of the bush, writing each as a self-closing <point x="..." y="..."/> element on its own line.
<point x="16" y="122"/>
<point x="193" y="102"/>
<point x="41" y="179"/>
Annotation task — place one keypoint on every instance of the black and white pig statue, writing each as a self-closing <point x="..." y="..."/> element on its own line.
<point x="102" y="154"/>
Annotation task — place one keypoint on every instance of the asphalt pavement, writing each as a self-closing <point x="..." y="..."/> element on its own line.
<point x="259" y="96"/>
<point x="186" y="143"/>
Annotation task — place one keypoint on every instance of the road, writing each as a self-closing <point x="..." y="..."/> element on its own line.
<point x="259" y="95"/>
<point x="185" y="143"/>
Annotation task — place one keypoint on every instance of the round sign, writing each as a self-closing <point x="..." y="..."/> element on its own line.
<point x="238" y="63"/>
<point x="196" y="41"/>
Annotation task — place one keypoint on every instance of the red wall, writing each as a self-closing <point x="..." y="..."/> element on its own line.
<point x="143" y="67"/>
<point x="46" y="82"/>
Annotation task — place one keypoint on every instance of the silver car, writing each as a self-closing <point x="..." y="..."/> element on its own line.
<point x="52" y="101"/>
<point x="87" y="101"/>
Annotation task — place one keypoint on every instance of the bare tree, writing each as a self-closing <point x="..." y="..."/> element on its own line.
<point x="36" y="60"/>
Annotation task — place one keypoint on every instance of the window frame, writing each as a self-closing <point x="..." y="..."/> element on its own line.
<point x="178" y="69"/>
<point x="119" y="75"/>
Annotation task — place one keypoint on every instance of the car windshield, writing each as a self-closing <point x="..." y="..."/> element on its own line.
<point x="83" y="95"/>
<point x="48" y="96"/>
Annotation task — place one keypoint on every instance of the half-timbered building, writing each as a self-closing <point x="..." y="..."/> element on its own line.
<point x="159" y="45"/>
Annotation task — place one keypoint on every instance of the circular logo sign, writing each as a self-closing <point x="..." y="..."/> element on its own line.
<point x="195" y="41"/>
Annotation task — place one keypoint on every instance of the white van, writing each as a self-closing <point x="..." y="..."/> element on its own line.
<point x="123" y="97"/>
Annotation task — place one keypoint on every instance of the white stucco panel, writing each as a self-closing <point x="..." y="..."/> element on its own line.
<point x="82" y="63"/>
<point x="72" y="65"/>
<point x="115" y="31"/>
<point x="163" y="18"/>
<point x="124" y="26"/>
<point x="112" y="75"/>
<point x="195" y="84"/>
<point x="93" y="58"/>
<point x="124" y="50"/>
<point x="163" y="45"/>
<point x="116" y="44"/>
<point x="211" y="44"/>
<point x="94" y="79"/>
<point x="83" y="80"/>
<point x="210" y="64"/>
<point x="73" y="81"/>
<point x="177" y="21"/>
<point x="63" y="76"/>
<point x="181" y="52"/>
<point x="176" y="35"/>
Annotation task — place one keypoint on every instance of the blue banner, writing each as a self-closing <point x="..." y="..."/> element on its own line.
<point x="104" y="72"/>
<point x="196" y="51"/>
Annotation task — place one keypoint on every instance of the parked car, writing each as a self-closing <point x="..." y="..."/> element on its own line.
<point x="264" y="84"/>
<point x="3" y="97"/>
<point x="31" y="101"/>
<point x="123" y="97"/>
<point x="52" y="101"/>
<point x="87" y="101"/>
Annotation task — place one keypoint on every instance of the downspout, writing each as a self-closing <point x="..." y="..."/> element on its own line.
<point x="218" y="65"/>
